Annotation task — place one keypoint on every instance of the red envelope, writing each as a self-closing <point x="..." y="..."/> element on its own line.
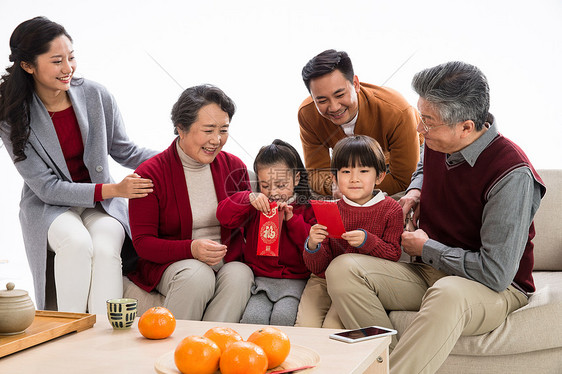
<point x="269" y="232"/>
<point x="328" y="214"/>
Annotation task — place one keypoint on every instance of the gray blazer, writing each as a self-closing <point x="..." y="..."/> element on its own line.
<point x="48" y="189"/>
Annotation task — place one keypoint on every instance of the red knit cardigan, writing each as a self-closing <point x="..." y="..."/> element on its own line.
<point x="161" y="223"/>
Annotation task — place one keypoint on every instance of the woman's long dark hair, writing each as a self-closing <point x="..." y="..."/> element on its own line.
<point x="280" y="151"/>
<point x="30" y="39"/>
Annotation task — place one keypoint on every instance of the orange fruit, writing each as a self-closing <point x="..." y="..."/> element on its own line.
<point x="243" y="358"/>
<point x="274" y="342"/>
<point x="157" y="323"/>
<point x="197" y="355"/>
<point x="223" y="336"/>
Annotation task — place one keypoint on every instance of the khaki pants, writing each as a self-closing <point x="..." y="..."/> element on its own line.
<point x="364" y="288"/>
<point x="315" y="307"/>
<point x="193" y="291"/>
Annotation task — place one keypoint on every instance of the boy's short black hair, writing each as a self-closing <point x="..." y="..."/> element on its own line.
<point x="358" y="150"/>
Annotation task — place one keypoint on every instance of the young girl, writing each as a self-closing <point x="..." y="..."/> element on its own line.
<point x="279" y="280"/>
<point x="373" y="223"/>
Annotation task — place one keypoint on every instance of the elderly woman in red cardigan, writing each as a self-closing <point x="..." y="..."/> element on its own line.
<point x="184" y="253"/>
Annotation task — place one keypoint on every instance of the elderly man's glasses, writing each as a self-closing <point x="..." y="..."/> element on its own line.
<point x="427" y="127"/>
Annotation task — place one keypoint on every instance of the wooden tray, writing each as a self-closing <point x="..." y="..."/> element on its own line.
<point x="47" y="325"/>
<point x="298" y="356"/>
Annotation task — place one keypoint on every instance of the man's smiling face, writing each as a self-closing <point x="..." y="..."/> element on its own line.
<point x="335" y="97"/>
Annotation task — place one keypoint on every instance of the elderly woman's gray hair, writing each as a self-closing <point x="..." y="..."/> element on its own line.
<point x="186" y="110"/>
<point x="457" y="90"/>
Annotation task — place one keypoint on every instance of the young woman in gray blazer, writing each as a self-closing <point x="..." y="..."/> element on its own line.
<point x="59" y="132"/>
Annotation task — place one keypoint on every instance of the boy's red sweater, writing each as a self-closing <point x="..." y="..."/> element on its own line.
<point x="383" y="223"/>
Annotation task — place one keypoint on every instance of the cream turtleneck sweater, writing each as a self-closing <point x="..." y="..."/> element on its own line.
<point x="202" y="198"/>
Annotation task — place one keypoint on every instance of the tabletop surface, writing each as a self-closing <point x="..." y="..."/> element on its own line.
<point x="102" y="349"/>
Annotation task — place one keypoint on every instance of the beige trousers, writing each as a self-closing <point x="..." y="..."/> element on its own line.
<point x="193" y="291"/>
<point x="315" y="307"/>
<point x="364" y="288"/>
<point x="87" y="244"/>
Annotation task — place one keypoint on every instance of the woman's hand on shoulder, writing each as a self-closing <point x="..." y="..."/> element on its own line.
<point x="207" y="251"/>
<point x="131" y="187"/>
<point x="260" y="202"/>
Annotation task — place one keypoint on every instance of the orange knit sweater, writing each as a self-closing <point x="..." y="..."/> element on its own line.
<point x="384" y="115"/>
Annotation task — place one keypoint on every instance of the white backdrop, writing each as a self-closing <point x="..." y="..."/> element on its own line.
<point x="145" y="51"/>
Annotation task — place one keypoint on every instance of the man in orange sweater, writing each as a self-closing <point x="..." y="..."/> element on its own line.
<point x="339" y="106"/>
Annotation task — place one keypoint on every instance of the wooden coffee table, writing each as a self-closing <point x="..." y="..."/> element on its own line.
<point x="103" y="350"/>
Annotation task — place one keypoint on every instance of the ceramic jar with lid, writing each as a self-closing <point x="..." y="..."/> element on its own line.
<point x="17" y="311"/>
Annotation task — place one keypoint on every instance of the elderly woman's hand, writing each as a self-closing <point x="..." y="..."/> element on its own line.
<point x="207" y="251"/>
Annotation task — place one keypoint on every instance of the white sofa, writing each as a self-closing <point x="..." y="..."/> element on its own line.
<point x="530" y="340"/>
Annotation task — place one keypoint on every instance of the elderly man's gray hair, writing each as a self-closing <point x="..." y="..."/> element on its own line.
<point x="457" y="90"/>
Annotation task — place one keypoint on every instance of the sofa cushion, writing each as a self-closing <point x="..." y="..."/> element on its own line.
<point x="534" y="327"/>
<point x="548" y="361"/>
<point x="548" y="239"/>
<point x="146" y="300"/>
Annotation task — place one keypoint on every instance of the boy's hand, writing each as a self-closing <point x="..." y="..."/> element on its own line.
<point x="317" y="235"/>
<point x="355" y="238"/>
<point x="260" y="202"/>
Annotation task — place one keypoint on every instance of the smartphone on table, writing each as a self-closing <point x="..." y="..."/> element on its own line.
<point x="365" y="333"/>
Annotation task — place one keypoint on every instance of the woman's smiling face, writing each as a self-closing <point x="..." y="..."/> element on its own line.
<point x="53" y="70"/>
<point x="207" y="135"/>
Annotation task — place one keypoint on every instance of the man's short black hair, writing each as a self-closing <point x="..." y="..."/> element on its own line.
<point x="325" y="63"/>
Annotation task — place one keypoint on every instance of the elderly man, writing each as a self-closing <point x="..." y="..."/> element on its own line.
<point x="475" y="194"/>
<point x="339" y="106"/>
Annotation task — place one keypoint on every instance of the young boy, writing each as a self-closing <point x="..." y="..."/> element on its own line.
<point x="373" y="223"/>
